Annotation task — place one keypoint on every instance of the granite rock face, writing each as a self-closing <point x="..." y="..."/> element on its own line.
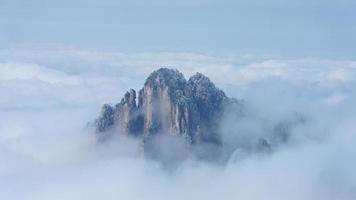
<point x="169" y="105"/>
<point x="172" y="118"/>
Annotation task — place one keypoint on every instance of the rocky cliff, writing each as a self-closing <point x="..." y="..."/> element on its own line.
<point x="170" y="105"/>
<point x="174" y="117"/>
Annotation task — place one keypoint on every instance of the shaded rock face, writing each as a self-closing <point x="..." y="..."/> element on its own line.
<point x="106" y="120"/>
<point x="169" y="105"/>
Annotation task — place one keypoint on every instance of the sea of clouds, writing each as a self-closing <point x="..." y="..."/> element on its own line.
<point x="49" y="95"/>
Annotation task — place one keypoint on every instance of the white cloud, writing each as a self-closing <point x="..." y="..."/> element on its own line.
<point x="47" y="96"/>
<point x="30" y="71"/>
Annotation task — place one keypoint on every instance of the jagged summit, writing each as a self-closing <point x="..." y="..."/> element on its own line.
<point x="173" y="117"/>
<point x="165" y="77"/>
<point x="168" y="105"/>
<point x="164" y="81"/>
<point x="201" y="79"/>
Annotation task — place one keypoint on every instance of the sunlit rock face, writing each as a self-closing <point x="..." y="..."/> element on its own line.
<point x="164" y="104"/>
<point x="169" y="105"/>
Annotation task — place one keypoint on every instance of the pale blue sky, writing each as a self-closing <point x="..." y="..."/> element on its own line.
<point x="302" y="28"/>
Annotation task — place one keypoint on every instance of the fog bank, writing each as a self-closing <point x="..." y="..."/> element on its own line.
<point x="48" y="96"/>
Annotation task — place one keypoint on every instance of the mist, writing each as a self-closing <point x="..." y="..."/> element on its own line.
<point x="47" y="150"/>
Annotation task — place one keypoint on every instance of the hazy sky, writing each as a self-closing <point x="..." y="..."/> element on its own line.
<point x="303" y="28"/>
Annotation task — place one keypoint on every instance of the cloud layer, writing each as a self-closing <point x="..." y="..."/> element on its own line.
<point x="48" y="96"/>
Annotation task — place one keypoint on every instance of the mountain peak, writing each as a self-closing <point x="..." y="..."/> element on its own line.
<point x="165" y="76"/>
<point x="199" y="77"/>
<point x="169" y="106"/>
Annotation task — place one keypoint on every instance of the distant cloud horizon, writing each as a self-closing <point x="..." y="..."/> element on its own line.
<point x="294" y="29"/>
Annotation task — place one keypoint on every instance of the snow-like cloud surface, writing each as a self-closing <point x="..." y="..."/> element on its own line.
<point x="48" y="96"/>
